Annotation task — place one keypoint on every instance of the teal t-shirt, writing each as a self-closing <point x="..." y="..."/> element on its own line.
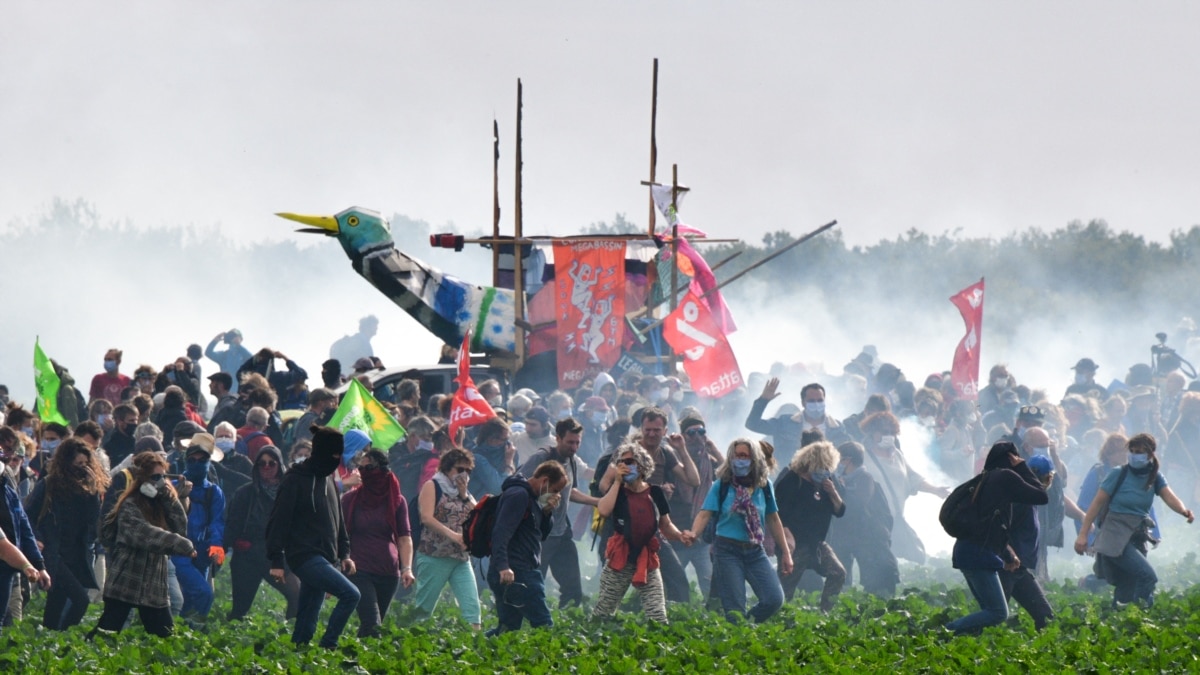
<point x="733" y="525"/>
<point x="1133" y="498"/>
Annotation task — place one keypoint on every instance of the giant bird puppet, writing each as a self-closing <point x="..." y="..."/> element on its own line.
<point x="445" y="305"/>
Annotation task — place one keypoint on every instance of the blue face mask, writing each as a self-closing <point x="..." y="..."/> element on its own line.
<point x="819" y="477"/>
<point x="1138" y="461"/>
<point x="196" y="470"/>
<point x="599" y="418"/>
<point x="633" y="473"/>
<point x="49" y="446"/>
<point x="424" y="445"/>
<point x="110" y="366"/>
<point x="741" y="467"/>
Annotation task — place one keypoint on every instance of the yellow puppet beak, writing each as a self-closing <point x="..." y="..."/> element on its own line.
<point x="326" y="225"/>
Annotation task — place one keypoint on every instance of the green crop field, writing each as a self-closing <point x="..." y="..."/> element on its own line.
<point x="861" y="634"/>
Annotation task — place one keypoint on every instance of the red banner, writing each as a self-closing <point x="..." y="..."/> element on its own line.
<point x="469" y="408"/>
<point x="589" y="292"/>
<point x="708" y="359"/>
<point x="964" y="374"/>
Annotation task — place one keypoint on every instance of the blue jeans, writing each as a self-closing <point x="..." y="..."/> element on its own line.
<point x="524" y="598"/>
<point x="194" y="584"/>
<point x="735" y="565"/>
<point x="318" y="577"/>
<point x="700" y="558"/>
<point x="1136" y="578"/>
<point x="989" y="593"/>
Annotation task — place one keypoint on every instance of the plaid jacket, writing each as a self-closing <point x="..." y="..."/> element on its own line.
<point x="137" y="570"/>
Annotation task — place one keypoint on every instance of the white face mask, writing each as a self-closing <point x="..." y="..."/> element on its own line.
<point x="887" y="442"/>
<point x="544" y="500"/>
<point x="677" y="397"/>
<point x="150" y="490"/>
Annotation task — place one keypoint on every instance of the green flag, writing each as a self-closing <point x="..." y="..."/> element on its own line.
<point x="360" y="410"/>
<point x="47" y="383"/>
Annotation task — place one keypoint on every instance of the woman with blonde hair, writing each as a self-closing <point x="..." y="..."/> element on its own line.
<point x="743" y="502"/>
<point x="808" y="500"/>
<point x="147" y="524"/>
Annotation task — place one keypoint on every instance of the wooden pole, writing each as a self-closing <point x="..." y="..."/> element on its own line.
<point x="653" y="143"/>
<point x="751" y="268"/>
<point x="495" y="201"/>
<point x="518" y="225"/>
<point x="674" y="236"/>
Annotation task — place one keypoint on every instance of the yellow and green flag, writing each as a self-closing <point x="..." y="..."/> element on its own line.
<point x="360" y="410"/>
<point x="47" y="383"/>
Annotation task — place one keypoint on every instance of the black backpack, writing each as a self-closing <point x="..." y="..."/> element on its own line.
<point x="960" y="515"/>
<point x="481" y="521"/>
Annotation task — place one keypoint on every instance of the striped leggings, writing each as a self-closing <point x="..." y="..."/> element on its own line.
<point x="614" y="583"/>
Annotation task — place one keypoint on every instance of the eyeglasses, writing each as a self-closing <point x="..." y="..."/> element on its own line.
<point x="697" y="431"/>
<point x="463" y="469"/>
<point x="158" y="477"/>
<point x="629" y="461"/>
<point x="269" y="462"/>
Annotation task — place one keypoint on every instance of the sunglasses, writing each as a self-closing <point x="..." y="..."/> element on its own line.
<point x="269" y="462"/>
<point x="629" y="461"/>
<point x="158" y="477"/>
<point x="696" y="431"/>
<point x="463" y="469"/>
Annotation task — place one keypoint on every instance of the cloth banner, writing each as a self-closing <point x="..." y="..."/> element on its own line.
<point x="589" y="281"/>
<point x="468" y="408"/>
<point x="360" y="410"/>
<point x="47" y="383"/>
<point x="709" y="361"/>
<point x="964" y="374"/>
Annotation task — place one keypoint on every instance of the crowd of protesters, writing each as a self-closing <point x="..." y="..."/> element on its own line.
<point x="150" y="487"/>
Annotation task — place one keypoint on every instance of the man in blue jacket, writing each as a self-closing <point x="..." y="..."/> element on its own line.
<point x="206" y="529"/>
<point x="522" y="522"/>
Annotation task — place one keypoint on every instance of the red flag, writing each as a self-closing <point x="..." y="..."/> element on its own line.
<point x="589" y="291"/>
<point x="964" y="374"/>
<point x="692" y="331"/>
<point x="469" y="408"/>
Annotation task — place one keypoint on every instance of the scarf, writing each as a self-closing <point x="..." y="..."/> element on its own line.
<point x="744" y="504"/>
<point x="443" y="481"/>
<point x="379" y="489"/>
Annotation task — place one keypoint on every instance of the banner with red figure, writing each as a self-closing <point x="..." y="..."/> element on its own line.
<point x="589" y="281"/>
<point x="964" y="374"/>
<point x="708" y="358"/>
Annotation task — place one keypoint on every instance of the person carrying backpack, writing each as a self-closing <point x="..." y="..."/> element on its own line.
<point x="522" y="522"/>
<point x="981" y="547"/>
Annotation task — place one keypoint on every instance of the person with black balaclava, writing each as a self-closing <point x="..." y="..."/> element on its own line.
<point x="246" y="535"/>
<point x="307" y="528"/>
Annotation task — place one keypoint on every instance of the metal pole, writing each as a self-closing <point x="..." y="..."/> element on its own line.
<point x="518" y="225"/>
<point x="495" y="201"/>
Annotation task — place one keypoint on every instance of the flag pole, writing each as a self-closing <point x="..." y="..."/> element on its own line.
<point x="518" y="227"/>
<point x="495" y="201"/>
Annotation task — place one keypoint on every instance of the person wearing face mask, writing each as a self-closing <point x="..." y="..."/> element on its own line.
<point x="559" y="405"/>
<point x="887" y="465"/>
<point x="1025" y="536"/>
<point x="785" y="430"/>
<point x="808" y="500"/>
<point x="1121" y="508"/>
<point x="414" y="461"/>
<point x="205" y="528"/>
<point x="489" y="389"/>
<point x="864" y="534"/>
<point x="246" y="534"/>
<point x="53" y="434"/>
<point x="442" y="558"/>
<point x="605" y="388"/>
<point x="377" y="522"/>
<point x="66" y="504"/>
<point x="538" y="433"/>
<point x="1085" y="381"/>
<point x="559" y="554"/>
<point x="639" y="511"/>
<point x="1037" y="443"/>
<point x="146" y="524"/>
<point x="999" y="381"/>
<point x="743" y="502"/>
<point x="960" y="440"/>
<point x="119" y="443"/>
<point x="233" y="470"/>
<point x="523" y="521"/>
<point x="984" y="553"/>
<point x="1028" y="417"/>
<point x="307" y="528"/>
<point x="108" y="384"/>
<point x="686" y="500"/>
<point x="593" y="415"/>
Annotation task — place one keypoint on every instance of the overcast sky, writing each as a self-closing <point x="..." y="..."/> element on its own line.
<point x="989" y="117"/>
